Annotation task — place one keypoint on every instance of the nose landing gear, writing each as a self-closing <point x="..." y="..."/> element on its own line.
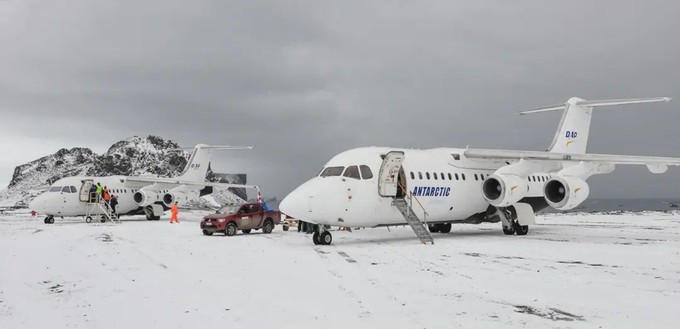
<point x="49" y="219"/>
<point x="322" y="237"/>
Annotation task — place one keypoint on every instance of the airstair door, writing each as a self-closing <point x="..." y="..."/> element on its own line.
<point x="85" y="190"/>
<point x="388" y="179"/>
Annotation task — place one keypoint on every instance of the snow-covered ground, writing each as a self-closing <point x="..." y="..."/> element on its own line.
<point x="571" y="271"/>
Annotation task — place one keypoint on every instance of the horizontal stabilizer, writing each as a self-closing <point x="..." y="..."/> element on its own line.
<point x="608" y="102"/>
<point x="212" y="147"/>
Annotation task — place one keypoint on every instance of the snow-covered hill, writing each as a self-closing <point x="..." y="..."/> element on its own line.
<point x="131" y="157"/>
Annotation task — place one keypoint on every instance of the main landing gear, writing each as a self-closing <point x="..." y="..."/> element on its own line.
<point x="511" y="223"/>
<point x="322" y="236"/>
<point x="49" y="219"/>
<point x="440" y="228"/>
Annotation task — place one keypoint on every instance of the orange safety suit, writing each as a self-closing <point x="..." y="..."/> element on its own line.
<point x="174" y="211"/>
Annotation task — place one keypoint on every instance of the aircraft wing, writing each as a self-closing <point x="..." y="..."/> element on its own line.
<point x="159" y="180"/>
<point x="548" y="156"/>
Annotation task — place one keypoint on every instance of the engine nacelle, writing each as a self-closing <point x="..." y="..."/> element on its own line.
<point x="144" y="198"/>
<point x="504" y="190"/>
<point x="179" y="195"/>
<point x="564" y="193"/>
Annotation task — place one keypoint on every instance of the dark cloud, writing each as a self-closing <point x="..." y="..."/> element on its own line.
<point x="303" y="80"/>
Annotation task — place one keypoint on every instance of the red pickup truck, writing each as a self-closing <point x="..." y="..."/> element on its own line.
<point x="244" y="217"/>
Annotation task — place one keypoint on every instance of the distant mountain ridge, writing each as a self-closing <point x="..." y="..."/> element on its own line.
<point x="134" y="156"/>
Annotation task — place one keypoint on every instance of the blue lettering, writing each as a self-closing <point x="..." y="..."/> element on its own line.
<point x="429" y="191"/>
<point x="448" y="191"/>
<point x="439" y="191"/>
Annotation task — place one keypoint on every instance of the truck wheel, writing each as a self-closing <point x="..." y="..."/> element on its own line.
<point x="231" y="229"/>
<point x="268" y="226"/>
<point x="208" y="233"/>
<point x="88" y="219"/>
<point x="246" y="231"/>
<point x="433" y="228"/>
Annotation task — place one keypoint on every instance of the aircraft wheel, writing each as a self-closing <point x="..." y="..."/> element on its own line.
<point x="315" y="238"/>
<point x="231" y="229"/>
<point x="326" y="238"/>
<point x="433" y="228"/>
<point x="445" y="228"/>
<point x="47" y="220"/>
<point x="208" y="233"/>
<point x="521" y="229"/>
<point x="88" y="219"/>
<point x="508" y="230"/>
<point x="50" y="220"/>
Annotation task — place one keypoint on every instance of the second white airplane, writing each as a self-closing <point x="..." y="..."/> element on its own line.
<point x="151" y="196"/>
<point x="384" y="186"/>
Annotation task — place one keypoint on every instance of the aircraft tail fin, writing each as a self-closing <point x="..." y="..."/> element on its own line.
<point x="199" y="161"/>
<point x="572" y="132"/>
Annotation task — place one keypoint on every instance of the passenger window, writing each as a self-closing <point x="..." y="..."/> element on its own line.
<point x="55" y="189"/>
<point x="434" y="174"/>
<point x="420" y="175"/>
<point x="255" y="208"/>
<point x="66" y="189"/>
<point x="427" y="174"/>
<point x="450" y="178"/>
<point x="366" y="172"/>
<point x="352" y="172"/>
<point x="462" y="176"/>
<point x="413" y="176"/>
<point x="332" y="171"/>
<point x="442" y="174"/>
<point x="456" y="176"/>
<point x="73" y="189"/>
<point x="456" y="156"/>
<point x="476" y="177"/>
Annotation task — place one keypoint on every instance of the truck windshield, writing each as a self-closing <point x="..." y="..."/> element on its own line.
<point x="228" y="210"/>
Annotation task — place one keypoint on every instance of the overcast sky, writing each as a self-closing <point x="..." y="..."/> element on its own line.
<point x="304" y="80"/>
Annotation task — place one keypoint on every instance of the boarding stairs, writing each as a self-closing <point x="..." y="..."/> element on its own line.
<point x="102" y="210"/>
<point x="405" y="206"/>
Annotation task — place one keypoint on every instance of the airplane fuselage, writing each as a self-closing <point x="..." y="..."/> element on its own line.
<point x="59" y="201"/>
<point x="446" y="187"/>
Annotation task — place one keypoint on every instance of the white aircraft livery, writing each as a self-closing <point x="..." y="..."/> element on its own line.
<point x="152" y="196"/>
<point x="384" y="186"/>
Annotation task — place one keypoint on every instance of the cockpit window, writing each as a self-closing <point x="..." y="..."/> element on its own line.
<point x="55" y="189"/>
<point x="66" y="189"/>
<point x="352" y="172"/>
<point x="73" y="189"/>
<point x="366" y="172"/>
<point x="332" y="171"/>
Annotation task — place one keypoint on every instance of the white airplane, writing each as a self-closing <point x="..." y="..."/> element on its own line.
<point x="152" y="196"/>
<point x="384" y="186"/>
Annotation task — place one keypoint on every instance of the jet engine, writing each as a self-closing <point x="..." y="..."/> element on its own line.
<point x="564" y="193"/>
<point x="504" y="190"/>
<point x="144" y="198"/>
<point x="181" y="195"/>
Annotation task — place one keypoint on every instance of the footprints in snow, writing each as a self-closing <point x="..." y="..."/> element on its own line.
<point x="105" y="237"/>
<point x="550" y="314"/>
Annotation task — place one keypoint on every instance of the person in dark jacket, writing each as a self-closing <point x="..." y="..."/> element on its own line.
<point x="113" y="203"/>
<point x="93" y="193"/>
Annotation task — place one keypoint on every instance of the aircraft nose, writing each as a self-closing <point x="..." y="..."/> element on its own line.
<point x="295" y="205"/>
<point x="38" y="204"/>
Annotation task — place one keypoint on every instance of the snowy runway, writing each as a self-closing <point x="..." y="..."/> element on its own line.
<point x="571" y="271"/>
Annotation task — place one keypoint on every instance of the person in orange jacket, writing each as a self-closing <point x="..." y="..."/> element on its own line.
<point x="174" y="211"/>
<point x="106" y="196"/>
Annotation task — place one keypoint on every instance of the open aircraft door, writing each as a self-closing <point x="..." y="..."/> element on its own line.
<point x="85" y="190"/>
<point x="388" y="179"/>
